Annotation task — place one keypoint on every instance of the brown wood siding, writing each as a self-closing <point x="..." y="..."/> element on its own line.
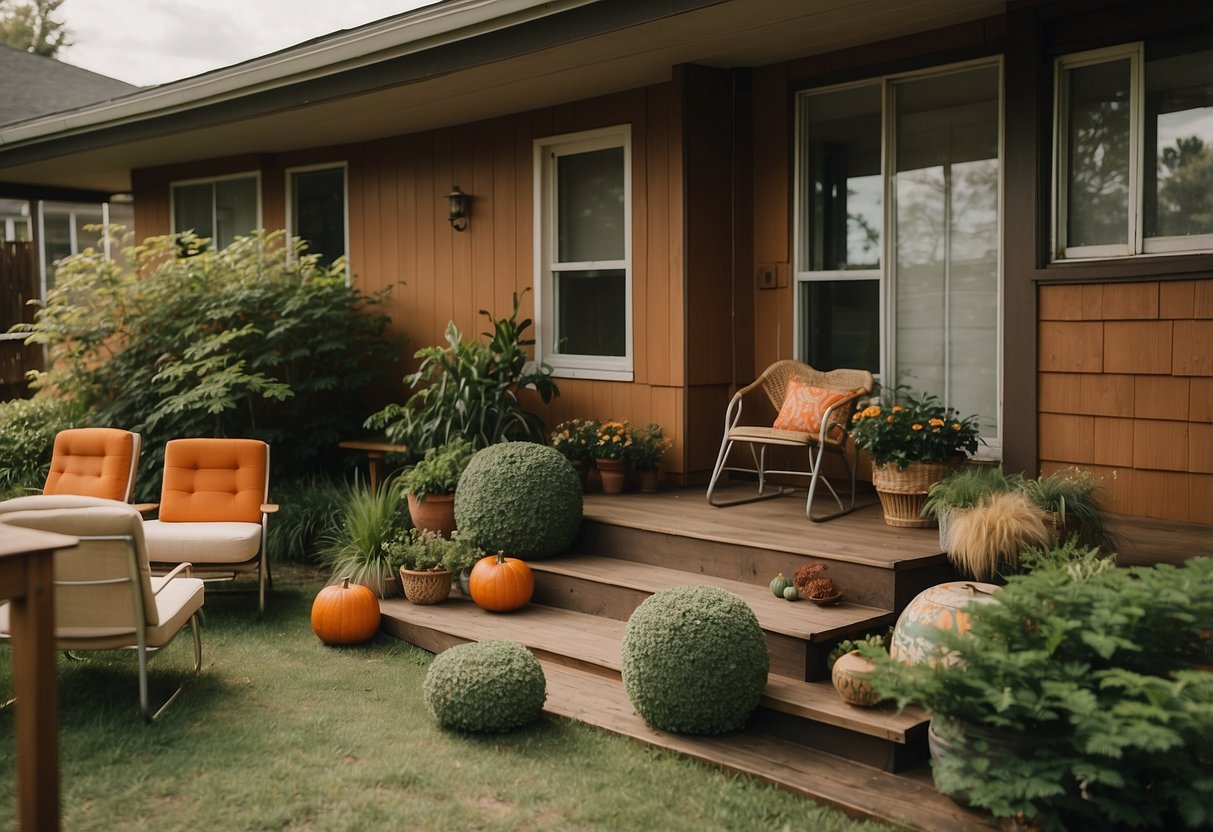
<point x="399" y="237"/>
<point x="1126" y="391"/>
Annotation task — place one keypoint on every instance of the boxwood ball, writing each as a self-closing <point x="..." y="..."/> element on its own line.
<point x="694" y="660"/>
<point x="519" y="498"/>
<point x="485" y="686"/>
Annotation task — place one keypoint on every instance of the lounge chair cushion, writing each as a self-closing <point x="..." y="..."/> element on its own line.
<point x="213" y="480"/>
<point x="201" y="543"/>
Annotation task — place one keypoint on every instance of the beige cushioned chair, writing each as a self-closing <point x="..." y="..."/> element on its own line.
<point x="105" y="595"/>
<point x="814" y="410"/>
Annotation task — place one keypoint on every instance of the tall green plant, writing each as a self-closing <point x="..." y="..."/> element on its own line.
<point x="357" y="547"/>
<point x="27" y="435"/>
<point x="257" y="339"/>
<point x="470" y="389"/>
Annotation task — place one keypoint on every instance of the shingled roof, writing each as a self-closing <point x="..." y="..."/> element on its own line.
<point x="33" y="85"/>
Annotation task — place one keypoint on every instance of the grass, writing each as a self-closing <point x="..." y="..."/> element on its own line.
<point x="283" y="732"/>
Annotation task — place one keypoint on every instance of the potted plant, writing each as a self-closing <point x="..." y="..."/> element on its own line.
<point x="810" y="581"/>
<point x="356" y="546"/>
<point x="427" y="562"/>
<point x="850" y="671"/>
<point x="964" y="489"/>
<point x="1071" y="497"/>
<point x="644" y="454"/>
<point x="430" y="485"/>
<point x="984" y="541"/>
<point x="1076" y="701"/>
<point x="609" y="450"/>
<point x="575" y="439"/>
<point x="913" y="443"/>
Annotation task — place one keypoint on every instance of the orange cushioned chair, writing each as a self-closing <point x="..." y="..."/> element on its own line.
<point x="814" y="411"/>
<point x="214" y="509"/>
<point x="94" y="462"/>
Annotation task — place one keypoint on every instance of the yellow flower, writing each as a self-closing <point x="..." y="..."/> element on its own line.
<point x="897" y="408"/>
<point x="870" y="410"/>
<point x="956" y="426"/>
<point x="936" y="423"/>
<point x="889" y="420"/>
<point x="916" y="426"/>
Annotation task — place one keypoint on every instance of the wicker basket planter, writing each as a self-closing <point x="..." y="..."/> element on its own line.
<point x="903" y="492"/>
<point x="426" y="587"/>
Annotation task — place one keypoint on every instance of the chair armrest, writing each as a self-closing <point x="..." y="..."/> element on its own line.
<point x="174" y="572"/>
<point x="269" y="508"/>
<point x="145" y="508"/>
<point x="846" y="405"/>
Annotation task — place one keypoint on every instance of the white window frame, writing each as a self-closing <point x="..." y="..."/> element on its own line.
<point x="70" y="209"/>
<point x="203" y="180"/>
<point x="991" y="447"/>
<point x="546" y="152"/>
<point x="345" y="201"/>
<point x="1138" y="244"/>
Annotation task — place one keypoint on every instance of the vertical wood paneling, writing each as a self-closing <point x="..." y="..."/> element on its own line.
<point x="658" y="265"/>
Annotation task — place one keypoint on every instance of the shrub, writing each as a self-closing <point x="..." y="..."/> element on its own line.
<point x="485" y="686"/>
<point x="470" y="389"/>
<point x="519" y="498"/>
<point x="694" y="660"/>
<point x="244" y="341"/>
<point x="1090" y="679"/>
<point x="309" y="509"/>
<point x="27" y="437"/>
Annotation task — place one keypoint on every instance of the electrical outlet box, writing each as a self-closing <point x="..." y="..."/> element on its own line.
<point x="767" y="277"/>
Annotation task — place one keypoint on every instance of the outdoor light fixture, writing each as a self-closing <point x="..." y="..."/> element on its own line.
<point x="457" y="204"/>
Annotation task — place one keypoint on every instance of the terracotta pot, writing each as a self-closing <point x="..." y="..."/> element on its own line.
<point x="435" y="513"/>
<point x="648" y="482"/>
<point x="613" y="474"/>
<point x="850" y="678"/>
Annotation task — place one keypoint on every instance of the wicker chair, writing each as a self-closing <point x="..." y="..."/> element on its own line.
<point x="848" y="387"/>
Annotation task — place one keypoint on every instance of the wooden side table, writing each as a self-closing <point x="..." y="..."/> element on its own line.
<point x="27" y="578"/>
<point x="375" y="452"/>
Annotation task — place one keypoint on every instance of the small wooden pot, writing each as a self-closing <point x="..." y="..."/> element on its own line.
<point x="435" y="513"/>
<point x="850" y="678"/>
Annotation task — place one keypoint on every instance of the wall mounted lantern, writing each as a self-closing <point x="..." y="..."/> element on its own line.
<point x="457" y="204"/>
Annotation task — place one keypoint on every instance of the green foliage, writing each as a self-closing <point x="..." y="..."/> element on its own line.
<point x="1072" y="495"/>
<point x="965" y="488"/>
<point x="878" y="641"/>
<point x="422" y="550"/>
<point x="519" y="498"/>
<point x="27" y="437"/>
<point x="470" y="389"/>
<point x="647" y="447"/>
<point x="613" y="440"/>
<point x="905" y="429"/>
<point x="439" y="471"/>
<point x="574" y="439"/>
<point x="308" y="511"/>
<point x="488" y="686"/>
<point x="30" y="27"/>
<point x="1094" y="675"/>
<point x="357" y="548"/>
<point x="245" y="342"/>
<point x="694" y="660"/>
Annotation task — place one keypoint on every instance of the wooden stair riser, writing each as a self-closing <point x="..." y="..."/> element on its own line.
<point x="869" y="585"/>
<point x="877" y="752"/>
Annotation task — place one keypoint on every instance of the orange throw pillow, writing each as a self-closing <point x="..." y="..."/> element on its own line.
<point x="805" y="405"/>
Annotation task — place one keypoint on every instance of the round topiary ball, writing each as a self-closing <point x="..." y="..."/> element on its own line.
<point x="485" y="686"/>
<point x="519" y="498"/>
<point x="694" y="660"/>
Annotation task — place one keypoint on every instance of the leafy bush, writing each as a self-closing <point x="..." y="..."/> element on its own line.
<point x="244" y="341"/>
<point x="439" y="471"/>
<point x="308" y="511"/>
<point x="470" y="389"/>
<point x="694" y="660"/>
<point x="485" y="686"/>
<point x="27" y="437"/>
<point x="520" y="498"/>
<point x="421" y="550"/>
<point x="1090" y="678"/>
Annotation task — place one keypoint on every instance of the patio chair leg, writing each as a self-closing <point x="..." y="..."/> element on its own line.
<point x="815" y="465"/>
<point x="759" y="467"/>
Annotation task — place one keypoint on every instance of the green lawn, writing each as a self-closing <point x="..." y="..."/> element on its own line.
<point x="282" y="732"/>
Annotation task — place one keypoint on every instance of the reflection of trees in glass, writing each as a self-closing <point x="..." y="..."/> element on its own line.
<point x="1185" y="189"/>
<point x="1099" y="170"/>
<point x="948" y="211"/>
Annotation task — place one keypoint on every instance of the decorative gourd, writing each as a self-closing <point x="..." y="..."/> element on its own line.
<point x="501" y="584"/>
<point x="780" y="584"/>
<point x="791" y="593"/>
<point x="941" y="607"/>
<point x="345" y="613"/>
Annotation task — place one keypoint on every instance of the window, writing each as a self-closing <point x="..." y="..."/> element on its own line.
<point x="67" y="229"/>
<point x="218" y="209"/>
<point x="316" y="209"/>
<point x="583" y="253"/>
<point x="1133" y="154"/>
<point x="897" y="244"/>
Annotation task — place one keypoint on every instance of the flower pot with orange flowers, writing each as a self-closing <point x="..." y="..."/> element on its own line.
<point x="609" y="451"/>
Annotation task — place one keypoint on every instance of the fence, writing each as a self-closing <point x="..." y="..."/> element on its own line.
<point x="18" y="284"/>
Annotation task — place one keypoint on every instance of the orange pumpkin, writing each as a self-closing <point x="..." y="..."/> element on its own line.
<point x="345" y="613"/>
<point x="501" y="584"/>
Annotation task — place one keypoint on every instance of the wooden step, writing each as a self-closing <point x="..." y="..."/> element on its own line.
<point x="592" y="645"/>
<point x="799" y="634"/>
<point x="855" y="788"/>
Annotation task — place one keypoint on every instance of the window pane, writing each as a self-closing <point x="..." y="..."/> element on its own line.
<point x="842" y="185"/>
<point x="1097" y="154"/>
<point x="591" y="313"/>
<point x="235" y="209"/>
<point x="841" y="324"/>
<point x="319" y="211"/>
<point x="56" y="240"/>
<point x="1179" y="139"/>
<point x="589" y="206"/>
<point x="946" y="281"/>
<point x="88" y="238"/>
<point x="193" y="209"/>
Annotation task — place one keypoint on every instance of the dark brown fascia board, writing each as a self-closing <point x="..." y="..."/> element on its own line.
<point x="491" y="47"/>
<point x="21" y="190"/>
